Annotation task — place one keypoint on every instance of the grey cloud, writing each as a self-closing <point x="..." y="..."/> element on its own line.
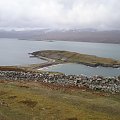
<point x="101" y="14"/>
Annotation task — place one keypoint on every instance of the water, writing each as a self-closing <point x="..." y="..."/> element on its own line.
<point x="15" y="52"/>
<point x="78" y="69"/>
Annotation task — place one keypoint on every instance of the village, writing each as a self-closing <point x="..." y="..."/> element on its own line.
<point x="96" y="83"/>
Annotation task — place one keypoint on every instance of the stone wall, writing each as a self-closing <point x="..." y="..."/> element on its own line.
<point x="97" y="83"/>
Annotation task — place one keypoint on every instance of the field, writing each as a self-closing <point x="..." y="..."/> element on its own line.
<point x="37" y="101"/>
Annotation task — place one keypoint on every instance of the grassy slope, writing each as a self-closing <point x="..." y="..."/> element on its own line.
<point x="32" y="101"/>
<point x="76" y="57"/>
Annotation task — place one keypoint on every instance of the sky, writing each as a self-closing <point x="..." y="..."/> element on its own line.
<point x="63" y="14"/>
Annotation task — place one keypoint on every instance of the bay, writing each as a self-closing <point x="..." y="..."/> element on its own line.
<point x="77" y="69"/>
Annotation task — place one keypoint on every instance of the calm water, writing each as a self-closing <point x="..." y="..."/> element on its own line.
<point x="82" y="69"/>
<point x="15" y="52"/>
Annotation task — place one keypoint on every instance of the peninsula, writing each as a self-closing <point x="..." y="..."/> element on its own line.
<point x="57" y="56"/>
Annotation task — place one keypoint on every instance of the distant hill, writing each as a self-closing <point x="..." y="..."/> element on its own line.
<point x="84" y="35"/>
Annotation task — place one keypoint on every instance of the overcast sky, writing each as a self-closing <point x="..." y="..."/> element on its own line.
<point x="100" y="14"/>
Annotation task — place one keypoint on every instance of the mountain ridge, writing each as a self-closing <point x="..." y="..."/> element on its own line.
<point x="79" y="35"/>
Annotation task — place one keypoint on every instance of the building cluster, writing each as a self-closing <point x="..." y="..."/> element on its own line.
<point x="97" y="83"/>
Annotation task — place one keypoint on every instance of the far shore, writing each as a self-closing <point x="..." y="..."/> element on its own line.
<point x="74" y="40"/>
<point x="76" y="35"/>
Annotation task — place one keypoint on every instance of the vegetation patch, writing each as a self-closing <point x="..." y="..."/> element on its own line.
<point x="2" y="93"/>
<point x="12" y="97"/>
<point x="24" y="86"/>
<point x="72" y="118"/>
<point x="11" y="68"/>
<point x="29" y="103"/>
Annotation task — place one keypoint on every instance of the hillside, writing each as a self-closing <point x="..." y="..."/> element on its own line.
<point x="67" y="35"/>
<point x="36" y="101"/>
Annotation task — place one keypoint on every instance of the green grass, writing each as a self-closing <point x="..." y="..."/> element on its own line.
<point x="33" y="101"/>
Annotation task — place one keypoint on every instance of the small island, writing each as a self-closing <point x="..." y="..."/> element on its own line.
<point x="57" y="56"/>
